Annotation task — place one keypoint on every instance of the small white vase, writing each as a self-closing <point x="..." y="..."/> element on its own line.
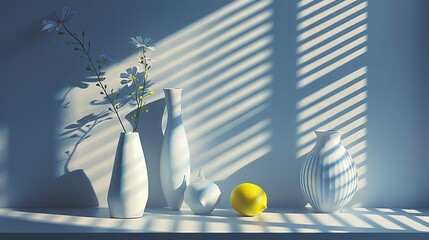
<point x="128" y="190"/>
<point x="328" y="176"/>
<point x="175" y="166"/>
<point x="202" y="195"/>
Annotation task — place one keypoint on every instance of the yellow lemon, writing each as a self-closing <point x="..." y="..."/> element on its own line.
<point x="248" y="199"/>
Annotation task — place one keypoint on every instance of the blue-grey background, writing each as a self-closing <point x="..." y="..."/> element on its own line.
<point x="247" y="117"/>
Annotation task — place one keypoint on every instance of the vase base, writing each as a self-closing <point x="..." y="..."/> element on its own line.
<point x="174" y="209"/>
<point x="320" y="211"/>
<point x="127" y="217"/>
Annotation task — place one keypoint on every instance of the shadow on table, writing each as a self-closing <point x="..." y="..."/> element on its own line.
<point x="76" y="212"/>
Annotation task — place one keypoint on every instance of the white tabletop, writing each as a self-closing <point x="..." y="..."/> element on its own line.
<point x="373" y="220"/>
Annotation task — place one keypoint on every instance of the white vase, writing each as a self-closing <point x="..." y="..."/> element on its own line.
<point x="202" y="195"/>
<point x="175" y="167"/>
<point x="328" y="176"/>
<point x="128" y="190"/>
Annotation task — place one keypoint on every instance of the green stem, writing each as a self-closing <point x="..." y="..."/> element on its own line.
<point x="140" y="102"/>
<point x="136" y="119"/>
<point x="89" y="59"/>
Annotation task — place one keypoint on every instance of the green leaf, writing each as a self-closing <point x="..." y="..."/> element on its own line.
<point x="117" y="95"/>
<point x="101" y="93"/>
<point x="97" y="84"/>
<point x="61" y="33"/>
<point x="77" y="49"/>
<point x="83" y="34"/>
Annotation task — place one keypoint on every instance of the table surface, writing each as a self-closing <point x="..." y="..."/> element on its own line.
<point x="356" y="220"/>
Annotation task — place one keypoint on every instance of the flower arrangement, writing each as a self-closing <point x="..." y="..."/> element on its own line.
<point x="137" y="80"/>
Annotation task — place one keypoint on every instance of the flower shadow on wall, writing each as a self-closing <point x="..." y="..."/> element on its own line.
<point x="222" y="61"/>
<point x="332" y="84"/>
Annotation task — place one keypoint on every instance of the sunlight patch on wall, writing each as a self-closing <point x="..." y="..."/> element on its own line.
<point x="223" y="63"/>
<point x="312" y="8"/>
<point x="332" y="83"/>
<point x="224" y="68"/>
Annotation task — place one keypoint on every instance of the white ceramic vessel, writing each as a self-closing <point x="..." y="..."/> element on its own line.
<point x="328" y="176"/>
<point x="175" y="167"/>
<point x="202" y="196"/>
<point x="128" y="190"/>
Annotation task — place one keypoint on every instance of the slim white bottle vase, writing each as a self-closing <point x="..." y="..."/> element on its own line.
<point x="128" y="190"/>
<point x="328" y="176"/>
<point x="175" y="166"/>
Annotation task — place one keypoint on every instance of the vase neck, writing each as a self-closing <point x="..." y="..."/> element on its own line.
<point x="173" y="100"/>
<point x="129" y="136"/>
<point x="328" y="138"/>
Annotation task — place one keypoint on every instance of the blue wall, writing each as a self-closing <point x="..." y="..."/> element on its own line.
<point x="397" y="111"/>
<point x="238" y="63"/>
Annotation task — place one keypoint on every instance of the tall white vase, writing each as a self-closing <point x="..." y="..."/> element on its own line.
<point x="328" y="176"/>
<point x="175" y="167"/>
<point x="128" y="190"/>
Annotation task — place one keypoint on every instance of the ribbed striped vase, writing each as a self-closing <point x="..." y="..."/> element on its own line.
<point x="328" y="176"/>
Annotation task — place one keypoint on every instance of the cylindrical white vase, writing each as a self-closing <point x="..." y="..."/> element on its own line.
<point x="128" y="190"/>
<point x="175" y="167"/>
<point x="328" y="176"/>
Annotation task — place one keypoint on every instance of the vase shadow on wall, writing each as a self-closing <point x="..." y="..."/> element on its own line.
<point x="73" y="188"/>
<point x="151" y="138"/>
<point x="294" y="169"/>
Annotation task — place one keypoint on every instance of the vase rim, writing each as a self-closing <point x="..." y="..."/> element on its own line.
<point x="328" y="131"/>
<point x="171" y="89"/>
<point x="129" y="133"/>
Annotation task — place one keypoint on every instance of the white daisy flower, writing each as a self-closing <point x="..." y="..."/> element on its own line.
<point x="66" y="15"/>
<point x="50" y="25"/>
<point x="131" y="75"/>
<point x="140" y="43"/>
<point x="61" y="18"/>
